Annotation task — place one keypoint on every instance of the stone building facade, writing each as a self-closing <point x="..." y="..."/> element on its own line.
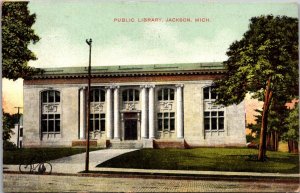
<point x="143" y="105"/>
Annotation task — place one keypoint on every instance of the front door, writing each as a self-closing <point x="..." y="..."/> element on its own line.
<point x="130" y="129"/>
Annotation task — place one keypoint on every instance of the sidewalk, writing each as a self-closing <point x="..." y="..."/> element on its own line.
<point x="75" y="164"/>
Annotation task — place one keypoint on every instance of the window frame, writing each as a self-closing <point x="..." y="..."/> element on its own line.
<point x="220" y="112"/>
<point x="101" y="95"/>
<point x="100" y="120"/>
<point x="166" y="117"/>
<point x="218" y="118"/>
<point x="135" y="95"/>
<point x="209" y="94"/>
<point x="170" y="96"/>
<point x="53" y="118"/>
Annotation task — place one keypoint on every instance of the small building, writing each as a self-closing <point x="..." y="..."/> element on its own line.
<point x="14" y="136"/>
<point x="140" y="106"/>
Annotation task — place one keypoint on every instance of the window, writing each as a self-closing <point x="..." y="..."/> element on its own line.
<point x="131" y="95"/>
<point x="97" y="122"/>
<point x="213" y="114"/>
<point x="97" y="95"/>
<point x="213" y="120"/>
<point x="166" y="94"/>
<point x="209" y="94"/>
<point x="166" y="121"/>
<point x="50" y="120"/>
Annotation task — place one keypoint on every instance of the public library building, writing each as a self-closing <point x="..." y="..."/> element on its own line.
<point x="132" y="106"/>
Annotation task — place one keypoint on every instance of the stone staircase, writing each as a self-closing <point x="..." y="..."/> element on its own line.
<point x="125" y="144"/>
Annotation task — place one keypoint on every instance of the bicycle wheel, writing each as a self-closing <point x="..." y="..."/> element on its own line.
<point x="25" y="168"/>
<point x="45" y="168"/>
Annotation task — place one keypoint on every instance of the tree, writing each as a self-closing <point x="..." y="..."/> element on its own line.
<point x="264" y="62"/>
<point x="17" y="34"/>
<point x="8" y="124"/>
<point x="276" y="124"/>
<point x="292" y="134"/>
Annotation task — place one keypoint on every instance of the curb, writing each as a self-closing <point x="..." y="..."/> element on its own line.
<point x="154" y="175"/>
<point x="151" y="175"/>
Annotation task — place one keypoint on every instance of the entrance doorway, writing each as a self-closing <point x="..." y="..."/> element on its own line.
<point x="130" y="126"/>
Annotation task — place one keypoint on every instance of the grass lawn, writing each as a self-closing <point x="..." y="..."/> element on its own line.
<point x="19" y="156"/>
<point x="205" y="159"/>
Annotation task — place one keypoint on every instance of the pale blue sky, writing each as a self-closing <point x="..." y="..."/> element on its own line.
<point x="64" y="25"/>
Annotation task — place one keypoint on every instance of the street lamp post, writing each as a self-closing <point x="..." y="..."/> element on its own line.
<point x="89" y="42"/>
<point x="18" y="137"/>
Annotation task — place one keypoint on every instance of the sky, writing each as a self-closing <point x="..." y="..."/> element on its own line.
<point x="63" y="27"/>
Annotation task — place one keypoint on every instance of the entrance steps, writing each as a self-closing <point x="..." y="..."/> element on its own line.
<point x="125" y="144"/>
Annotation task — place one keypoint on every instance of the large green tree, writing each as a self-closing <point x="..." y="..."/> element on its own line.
<point x="264" y="62"/>
<point x="17" y="34"/>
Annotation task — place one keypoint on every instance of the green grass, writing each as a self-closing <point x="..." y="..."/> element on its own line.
<point x="205" y="159"/>
<point x="19" y="156"/>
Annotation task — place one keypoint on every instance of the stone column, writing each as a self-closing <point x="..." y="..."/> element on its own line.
<point x="109" y="113"/>
<point x="82" y="113"/>
<point x="151" y="112"/>
<point x="144" y="112"/>
<point x="116" y="113"/>
<point x="179" y="104"/>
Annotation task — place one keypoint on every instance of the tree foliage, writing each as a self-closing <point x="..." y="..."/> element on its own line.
<point x="269" y="49"/>
<point x="263" y="62"/>
<point x="17" y="34"/>
<point x="292" y="123"/>
<point x="8" y="123"/>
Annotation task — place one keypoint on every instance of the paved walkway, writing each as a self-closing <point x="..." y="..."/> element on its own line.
<point x="76" y="163"/>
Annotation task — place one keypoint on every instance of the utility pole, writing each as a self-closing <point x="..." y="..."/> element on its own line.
<point x="18" y="138"/>
<point x="89" y="42"/>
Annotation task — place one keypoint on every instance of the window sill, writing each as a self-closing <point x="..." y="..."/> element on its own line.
<point x="214" y="131"/>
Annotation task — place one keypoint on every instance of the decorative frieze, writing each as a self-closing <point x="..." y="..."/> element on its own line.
<point x="166" y="106"/>
<point x="212" y="106"/>
<point x="130" y="106"/>
<point x="96" y="107"/>
<point x="50" y="108"/>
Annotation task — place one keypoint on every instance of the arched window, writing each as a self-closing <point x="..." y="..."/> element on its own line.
<point x="130" y="95"/>
<point x="97" y="95"/>
<point x="209" y="94"/>
<point x="214" y="115"/>
<point x="50" y="119"/>
<point x="97" y="117"/>
<point x="165" y="94"/>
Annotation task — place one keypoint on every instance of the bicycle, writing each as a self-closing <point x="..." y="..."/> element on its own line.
<point x="40" y="168"/>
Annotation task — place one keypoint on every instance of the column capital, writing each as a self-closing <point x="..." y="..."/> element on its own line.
<point x="109" y="87"/>
<point x="143" y="86"/>
<point x="114" y="86"/>
<point x="151" y="86"/>
<point x="179" y="85"/>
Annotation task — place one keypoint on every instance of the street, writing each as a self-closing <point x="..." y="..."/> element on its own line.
<point x="55" y="183"/>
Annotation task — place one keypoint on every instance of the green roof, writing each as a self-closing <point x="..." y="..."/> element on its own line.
<point x="136" y="68"/>
<point x="133" y="70"/>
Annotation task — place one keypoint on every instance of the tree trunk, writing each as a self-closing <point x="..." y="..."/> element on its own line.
<point x="268" y="141"/>
<point x="264" y="125"/>
<point x="290" y="145"/>
<point x="276" y="139"/>
<point x="295" y="147"/>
